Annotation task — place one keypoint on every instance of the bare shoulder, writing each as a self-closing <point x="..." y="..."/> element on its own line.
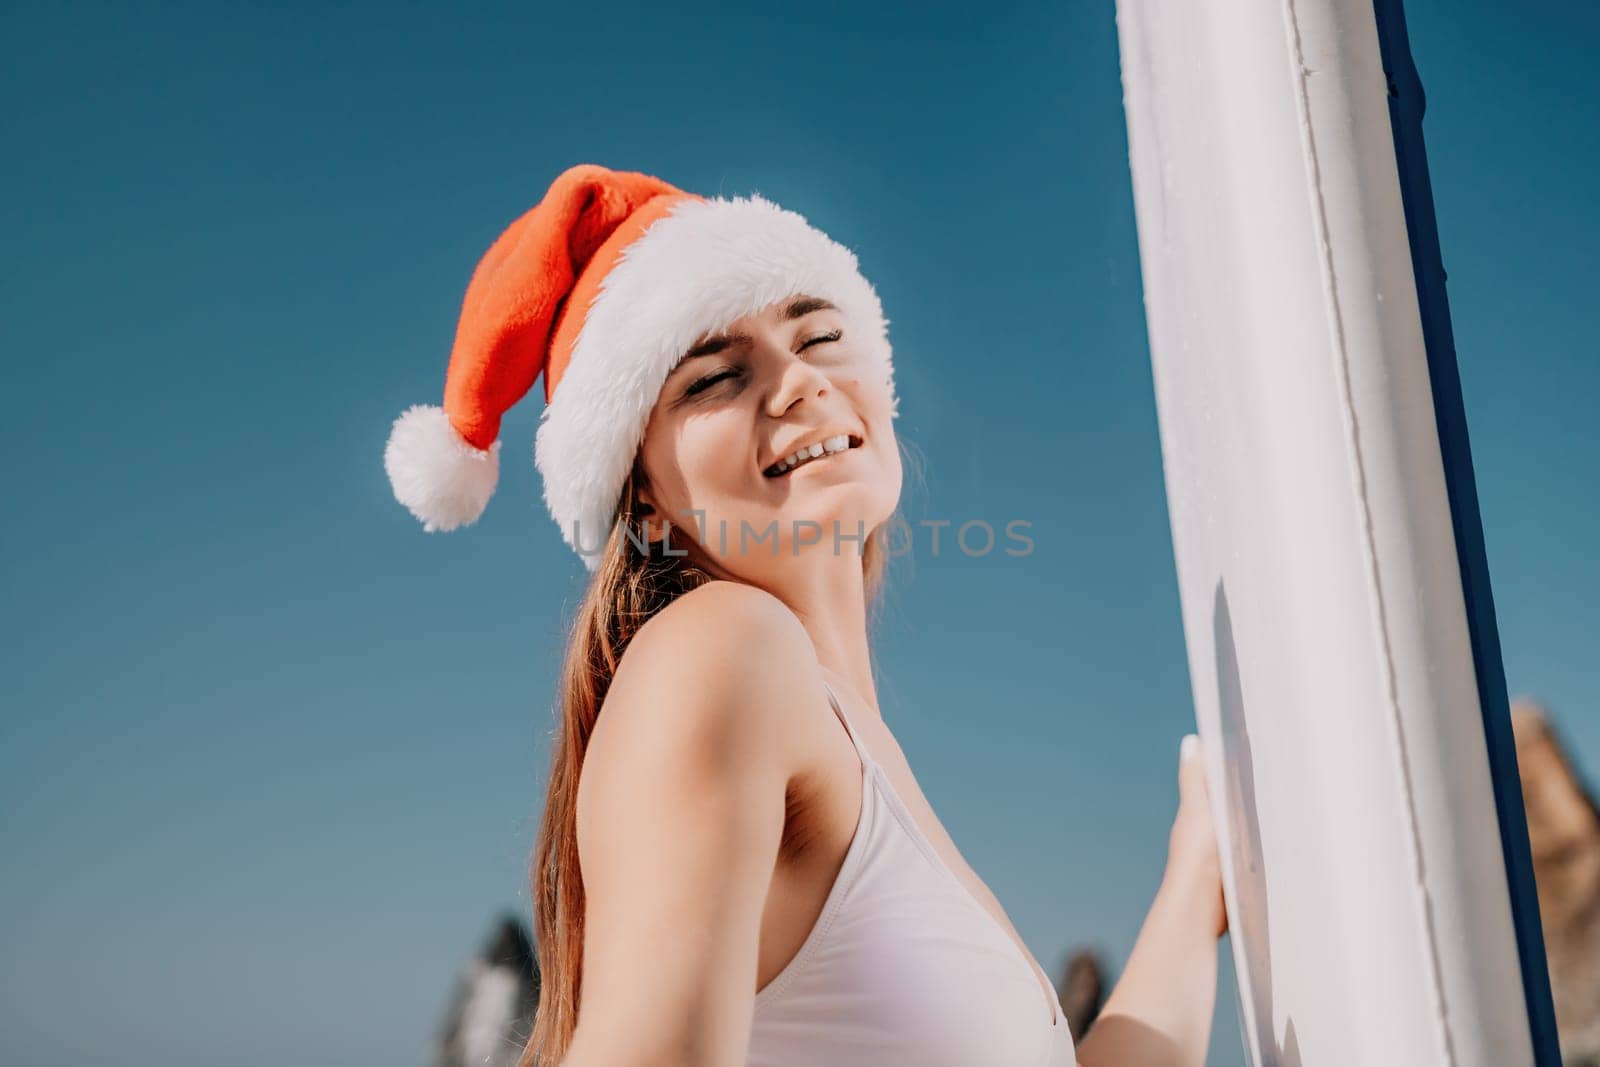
<point x="725" y="672"/>
<point x="727" y="609"/>
<point x="723" y="639"/>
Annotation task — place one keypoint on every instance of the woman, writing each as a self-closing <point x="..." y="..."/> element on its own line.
<point x="736" y="863"/>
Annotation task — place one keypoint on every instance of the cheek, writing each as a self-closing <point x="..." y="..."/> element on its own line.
<point x="708" y="456"/>
<point x="870" y="400"/>
<point x="862" y="381"/>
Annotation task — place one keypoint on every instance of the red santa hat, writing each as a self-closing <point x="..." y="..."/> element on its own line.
<point x="602" y="286"/>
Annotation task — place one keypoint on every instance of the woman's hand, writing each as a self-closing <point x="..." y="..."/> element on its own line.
<point x="1194" y="870"/>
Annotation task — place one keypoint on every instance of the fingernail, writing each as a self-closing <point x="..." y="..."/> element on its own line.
<point x="1188" y="746"/>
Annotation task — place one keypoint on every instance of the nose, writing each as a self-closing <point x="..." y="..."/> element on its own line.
<point x="797" y="380"/>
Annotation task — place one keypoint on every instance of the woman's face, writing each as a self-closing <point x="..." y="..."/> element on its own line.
<point x="742" y="401"/>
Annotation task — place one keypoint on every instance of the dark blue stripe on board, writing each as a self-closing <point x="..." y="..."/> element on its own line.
<point x="1406" y="104"/>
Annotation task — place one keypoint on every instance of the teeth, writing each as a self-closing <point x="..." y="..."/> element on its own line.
<point x="836" y="443"/>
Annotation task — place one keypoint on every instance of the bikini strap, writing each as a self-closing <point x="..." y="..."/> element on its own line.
<point x="838" y="709"/>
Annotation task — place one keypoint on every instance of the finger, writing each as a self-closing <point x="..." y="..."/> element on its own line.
<point x="1191" y="767"/>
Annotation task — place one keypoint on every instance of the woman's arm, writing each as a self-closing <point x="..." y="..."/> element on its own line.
<point x="680" y="814"/>
<point x="1159" y="1014"/>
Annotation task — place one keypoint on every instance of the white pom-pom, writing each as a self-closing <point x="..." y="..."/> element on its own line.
<point x="442" y="479"/>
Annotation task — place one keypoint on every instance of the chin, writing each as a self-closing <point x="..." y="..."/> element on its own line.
<point x="848" y="505"/>
<point x="826" y="501"/>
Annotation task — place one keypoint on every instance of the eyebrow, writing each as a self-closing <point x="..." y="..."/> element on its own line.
<point x="798" y="307"/>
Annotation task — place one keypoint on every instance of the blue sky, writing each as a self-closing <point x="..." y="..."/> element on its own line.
<point x="272" y="757"/>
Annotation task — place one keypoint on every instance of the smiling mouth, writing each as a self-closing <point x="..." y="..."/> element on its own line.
<point x="782" y="467"/>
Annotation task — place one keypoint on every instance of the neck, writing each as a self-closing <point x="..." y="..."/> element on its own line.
<point x="831" y="603"/>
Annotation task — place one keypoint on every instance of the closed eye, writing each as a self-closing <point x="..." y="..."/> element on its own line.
<point x="702" y="384"/>
<point x="709" y="380"/>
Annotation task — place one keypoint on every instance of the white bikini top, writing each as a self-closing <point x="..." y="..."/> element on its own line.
<point x="904" y="967"/>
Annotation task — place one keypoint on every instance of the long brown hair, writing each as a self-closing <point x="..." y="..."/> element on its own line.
<point x="628" y="587"/>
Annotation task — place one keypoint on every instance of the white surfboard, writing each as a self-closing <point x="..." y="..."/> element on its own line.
<point x="1341" y="639"/>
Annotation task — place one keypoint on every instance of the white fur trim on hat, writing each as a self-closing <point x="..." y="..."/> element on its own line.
<point x="445" y="481"/>
<point x="698" y="269"/>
